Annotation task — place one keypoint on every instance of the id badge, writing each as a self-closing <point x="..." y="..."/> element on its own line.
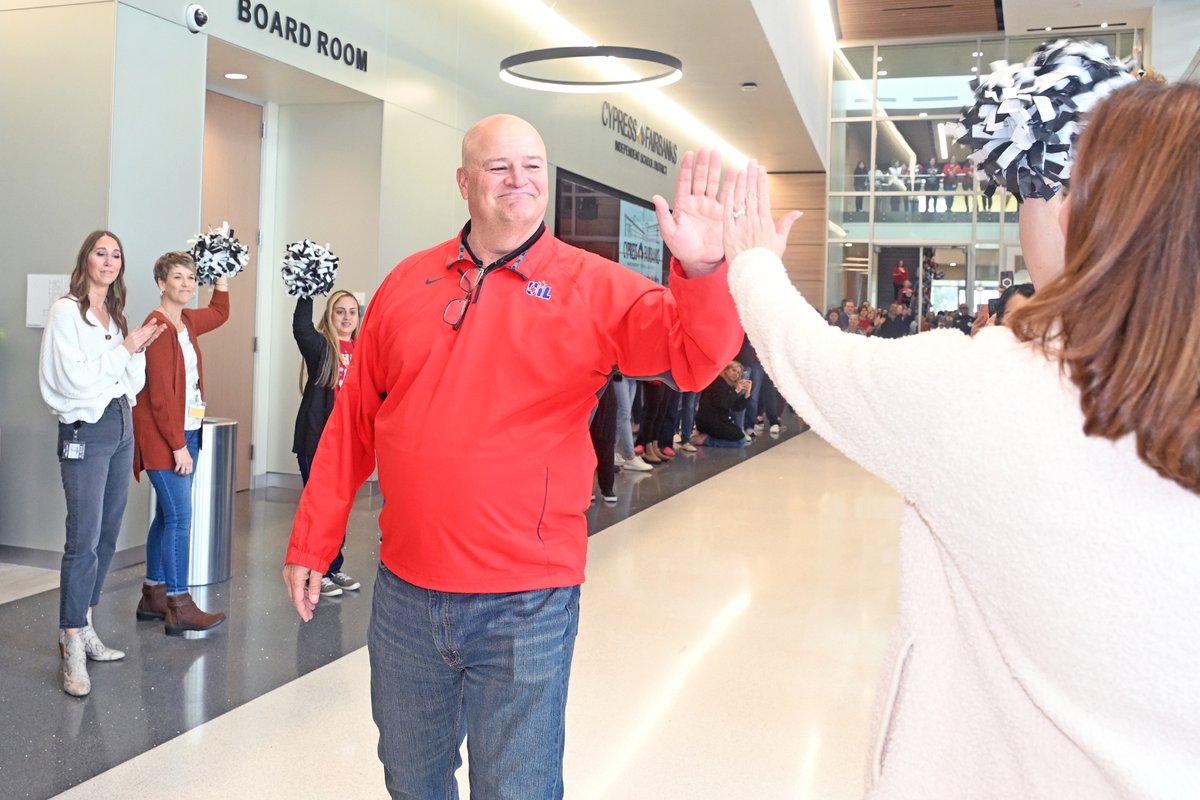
<point x="196" y="410"/>
<point x="73" y="450"/>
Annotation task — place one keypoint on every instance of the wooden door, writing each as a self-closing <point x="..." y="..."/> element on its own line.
<point x="232" y="153"/>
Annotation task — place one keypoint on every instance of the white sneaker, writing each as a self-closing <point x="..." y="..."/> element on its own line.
<point x="677" y="438"/>
<point x="617" y="460"/>
<point x="775" y="428"/>
<point x="636" y="464"/>
<point x="610" y="499"/>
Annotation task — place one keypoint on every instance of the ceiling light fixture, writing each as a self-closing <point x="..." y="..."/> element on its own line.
<point x="1103" y="24"/>
<point x="672" y="73"/>
<point x="1048" y="28"/>
<point x="235" y="76"/>
<point x="882" y="72"/>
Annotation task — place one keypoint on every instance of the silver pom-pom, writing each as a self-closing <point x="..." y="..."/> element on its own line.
<point x="218" y="253"/>
<point x="1027" y="117"/>
<point x="309" y="269"/>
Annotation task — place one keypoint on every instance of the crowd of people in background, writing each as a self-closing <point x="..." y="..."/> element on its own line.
<point x="899" y="319"/>
<point x="923" y="183"/>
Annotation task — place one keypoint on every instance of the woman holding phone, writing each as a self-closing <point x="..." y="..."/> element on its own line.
<point x="167" y="422"/>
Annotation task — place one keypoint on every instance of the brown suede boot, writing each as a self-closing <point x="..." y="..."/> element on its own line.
<point x="182" y="615"/>
<point x="153" y="604"/>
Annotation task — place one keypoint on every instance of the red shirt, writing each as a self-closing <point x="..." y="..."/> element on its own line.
<point x="481" y="434"/>
<point x="345" y="353"/>
<point x="899" y="274"/>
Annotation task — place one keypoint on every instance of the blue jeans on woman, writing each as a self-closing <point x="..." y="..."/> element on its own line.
<point x="687" y="414"/>
<point x="305" y="463"/>
<point x="625" y="389"/>
<point x="489" y="667"/>
<point x="167" y="543"/>
<point x="96" y="488"/>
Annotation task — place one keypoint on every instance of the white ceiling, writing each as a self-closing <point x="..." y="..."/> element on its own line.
<point x="721" y="45"/>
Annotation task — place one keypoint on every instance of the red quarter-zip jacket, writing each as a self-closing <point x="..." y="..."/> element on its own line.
<point x="481" y="434"/>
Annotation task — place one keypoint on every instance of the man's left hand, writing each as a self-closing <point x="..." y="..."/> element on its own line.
<point x="692" y="230"/>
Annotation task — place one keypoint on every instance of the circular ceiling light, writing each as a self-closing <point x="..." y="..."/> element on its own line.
<point x="235" y="76"/>
<point x="671" y="69"/>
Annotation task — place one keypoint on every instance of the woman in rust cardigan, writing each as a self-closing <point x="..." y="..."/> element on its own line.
<point x="166" y="432"/>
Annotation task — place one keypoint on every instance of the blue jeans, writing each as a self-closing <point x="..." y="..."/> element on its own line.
<point x="96" y="488"/>
<point x="167" y="546"/>
<point x="305" y="463"/>
<point x="625" y="389"/>
<point x="713" y="441"/>
<point x="490" y="667"/>
<point x="687" y="414"/>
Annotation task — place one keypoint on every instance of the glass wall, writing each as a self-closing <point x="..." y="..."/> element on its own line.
<point x="898" y="179"/>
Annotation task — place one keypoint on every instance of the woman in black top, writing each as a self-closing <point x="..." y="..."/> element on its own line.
<point x="327" y="350"/>
<point x="714" y="416"/>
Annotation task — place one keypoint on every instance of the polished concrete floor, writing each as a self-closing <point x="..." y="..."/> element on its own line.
<point x="735" y="612"/>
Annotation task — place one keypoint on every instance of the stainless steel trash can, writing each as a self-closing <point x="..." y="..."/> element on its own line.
<point x="211" y="550"/>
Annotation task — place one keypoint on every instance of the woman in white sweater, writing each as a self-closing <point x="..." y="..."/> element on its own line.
<point x="92" y="367"/>
<point x="1047" y="642"/>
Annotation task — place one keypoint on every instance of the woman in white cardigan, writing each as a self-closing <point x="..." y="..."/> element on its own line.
<point x="92" y="367"/>
<point x="1048" y="640"/>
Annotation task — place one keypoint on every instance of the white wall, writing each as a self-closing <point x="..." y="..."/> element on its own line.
<point x="54" y="166"/>
<point x="1175" y="28"/>
<point x="119" y="147"/>
<point x="157" y="168"/>
<point x="326" y="189"/>
<point x="802" y="38"/>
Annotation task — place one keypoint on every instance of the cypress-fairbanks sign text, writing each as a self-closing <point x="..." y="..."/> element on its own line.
<point x="650" y="143"/>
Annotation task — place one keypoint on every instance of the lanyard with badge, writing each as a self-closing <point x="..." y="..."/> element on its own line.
<point x="197" y="406"/>
<point x="73" y="449"/>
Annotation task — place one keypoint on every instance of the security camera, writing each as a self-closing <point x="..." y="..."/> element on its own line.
<point x="196" y="17"/>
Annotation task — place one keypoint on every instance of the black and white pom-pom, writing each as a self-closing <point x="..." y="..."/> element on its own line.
<point x="309" y="269"/>
<point x="1027" y="117"/>
<point x="218" y="253"/>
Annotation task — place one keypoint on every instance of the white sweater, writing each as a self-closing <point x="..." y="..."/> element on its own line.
<point x="81" y="370"/>
<point x="1048" y="639"/>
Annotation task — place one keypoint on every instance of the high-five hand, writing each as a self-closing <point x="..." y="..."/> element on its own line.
<point x="748" y="220"/>
<point x="692" y="230"/>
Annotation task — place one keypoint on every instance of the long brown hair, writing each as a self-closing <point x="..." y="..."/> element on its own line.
<point x="329" y="364"/>
<point x="80" y="284"/>
<point x="1122" y="318"/>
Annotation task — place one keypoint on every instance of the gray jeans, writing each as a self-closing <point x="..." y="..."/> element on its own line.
<point x="96" y="487"/>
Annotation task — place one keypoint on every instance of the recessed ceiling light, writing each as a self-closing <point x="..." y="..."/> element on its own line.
<point x="882" y="72"/>
<point x="974" y="69"/>
<point x="849" y="245"/>
<point x="1048" y="28"/>
<point x="880" y="58"/>
<point x="954" y="263"/>
<point x="1103" y="24"/>
<point x="749" y="86"/>
<point x="923" y="114"/>
<point x="235" y="76"/>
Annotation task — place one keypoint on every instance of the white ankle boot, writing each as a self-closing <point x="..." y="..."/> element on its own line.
<point x="95" y="649"/>
<point x="75" y="677"/>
